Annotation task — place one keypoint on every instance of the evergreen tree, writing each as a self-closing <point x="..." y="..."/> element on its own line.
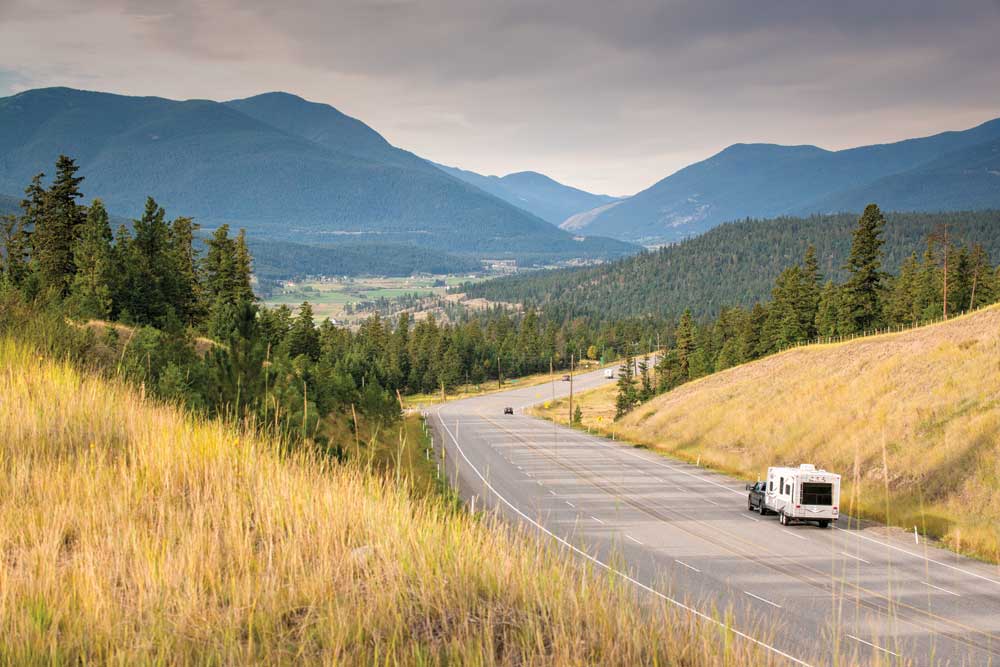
<point x="807" y="298"/>
<point x="14" y="250"/>
<point x="981" y="292"/>
<point x="302" y="337"/>
<point x="185" y="290"/>
<point x="151" y="270"/>
<point x="684" y="343"/>
<point x="627" y="397"/>
<point x="57" y="227"/>
<point x="862" y="292"/>
<point x="646" y="390"/>
<point x="91" y="289"/>
<point x="828" y="311"/>
<point x="901" y="306"/>
<point x="242" y="270"/>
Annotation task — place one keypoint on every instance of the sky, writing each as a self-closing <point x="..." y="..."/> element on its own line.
<point x="606" y="96"/>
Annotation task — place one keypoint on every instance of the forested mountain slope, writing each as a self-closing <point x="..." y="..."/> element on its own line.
<point x="947" y="171"/>
<point x="221" y="165"/>
<point x="733" y="264"/>
<point x="536" y="193"/>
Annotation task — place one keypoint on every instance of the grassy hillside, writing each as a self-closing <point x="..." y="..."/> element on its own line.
<point x="132" y="533"/>
<point x="914" y="414"/>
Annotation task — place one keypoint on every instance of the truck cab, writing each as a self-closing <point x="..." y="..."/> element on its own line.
<point x="756" y="496"/>
<point x="802" y="494"/>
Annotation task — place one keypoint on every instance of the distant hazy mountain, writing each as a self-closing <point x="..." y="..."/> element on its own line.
<point x="276" y="164"/>
<point x="948" y="171"/>
<point x="536" y="193"/>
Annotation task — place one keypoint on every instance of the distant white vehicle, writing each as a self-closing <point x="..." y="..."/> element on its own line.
<point x="802" y="494"/>
<point x="609" y="373"/>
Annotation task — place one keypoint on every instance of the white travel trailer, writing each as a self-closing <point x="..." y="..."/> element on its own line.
<point x="803" y="494"/>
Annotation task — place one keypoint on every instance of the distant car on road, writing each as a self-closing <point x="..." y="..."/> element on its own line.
<point x="565" y="378"/>
<point x="755" y="497"/>
<point x="508" y="411"/>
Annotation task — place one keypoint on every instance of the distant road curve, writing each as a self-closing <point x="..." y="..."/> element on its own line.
<point x="804" y="593"/>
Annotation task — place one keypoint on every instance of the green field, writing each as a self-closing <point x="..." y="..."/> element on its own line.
<point x="329" y="298"/>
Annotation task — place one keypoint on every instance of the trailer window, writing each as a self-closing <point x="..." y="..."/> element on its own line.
<point x="781" y="485"/>
<point x="817" y="493"/>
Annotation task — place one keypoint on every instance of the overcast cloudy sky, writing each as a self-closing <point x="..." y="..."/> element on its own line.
<point x="608" y="96"/>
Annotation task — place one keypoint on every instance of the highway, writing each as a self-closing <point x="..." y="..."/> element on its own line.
<point x="683" y="535"/>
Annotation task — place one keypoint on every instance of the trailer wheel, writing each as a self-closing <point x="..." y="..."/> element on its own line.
<point x="781" y="518"/>
<point x="824" y="523"/>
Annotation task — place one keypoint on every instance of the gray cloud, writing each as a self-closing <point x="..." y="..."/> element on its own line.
<point x="607" y="96"/>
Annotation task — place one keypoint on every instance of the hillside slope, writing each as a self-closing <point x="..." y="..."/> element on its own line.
<point x="131" y="533"/>
<point x="317" y="177"/>
<point x="536" y="193"/>
<point x="734" y="264"/>
<point x="768" y="180"/>
<point x="915" y="414"/>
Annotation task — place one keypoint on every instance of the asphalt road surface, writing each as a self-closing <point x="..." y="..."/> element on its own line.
<point x="684" y="535"/>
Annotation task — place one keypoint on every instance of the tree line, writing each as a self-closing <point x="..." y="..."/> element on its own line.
<point x="947" y="278"/>
<point x="147" y="303"/>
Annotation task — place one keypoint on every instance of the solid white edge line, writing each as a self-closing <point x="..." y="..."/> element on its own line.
<point x="633" y="539"/>
<point x="596" y="519"/>
<point x="866" y="562"/>
<point x="873" y="645"/>
<point x="690" y="567"/>
<point x="605" y="566"/>
<point x="918" y="556"/>
<point x="570" y="504"/>
<point x="943" y="590"/>
<point x="749" y="517"/>
<point x="773" y="604"/>
<point x="657" y="461"/>
<point x="794" y="534"/>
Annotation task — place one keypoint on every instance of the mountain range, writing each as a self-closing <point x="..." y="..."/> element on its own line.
<point x="947" y="171"/>
<point x="281" y="166"/>
<point x="536" y="193"/>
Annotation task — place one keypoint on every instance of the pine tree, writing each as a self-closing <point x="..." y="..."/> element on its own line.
<point x="646" y="391"/>
<point x="807" y="298"/>
<point x="242" y="270"/>
<point x="684" y="343"/>
<point x="57" y="227"/>
<point x="862" y="291"/>
<point x="981" y="289"/>
<point x="91" y="289"/>
<point x="303" y="337"/>
<point x="627" y="397"/>
<point x="151" y="272"/>
<point x="901" y="306"/>
<point x="828" y="312"/>
<point x="14" y="250"/>
<point x="185" y="292"/>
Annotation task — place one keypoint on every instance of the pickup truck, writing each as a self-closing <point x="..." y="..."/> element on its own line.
<point x="755" y="497"/>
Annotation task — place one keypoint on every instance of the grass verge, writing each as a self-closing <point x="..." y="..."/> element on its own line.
<point x="134" y="533"/>
<point x="911" y="420"/>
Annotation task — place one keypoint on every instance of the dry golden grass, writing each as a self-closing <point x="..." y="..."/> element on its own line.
<point x="133" y="533"/>
<point x="928" y="399"/>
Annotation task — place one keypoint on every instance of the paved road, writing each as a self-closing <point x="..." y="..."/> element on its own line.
<point x="683" y="534"/>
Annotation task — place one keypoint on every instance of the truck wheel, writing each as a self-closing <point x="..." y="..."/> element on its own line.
<point x="749" y="505"/>
<point x="760" y="508"/>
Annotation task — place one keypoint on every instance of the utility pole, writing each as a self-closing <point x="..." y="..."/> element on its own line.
<point x="499" y="374"/>
<point x="571" y="360"/>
